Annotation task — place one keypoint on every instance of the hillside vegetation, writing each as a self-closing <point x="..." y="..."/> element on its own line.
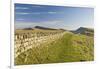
<point x="68" y="48"/>
<point x="84" y="31"/>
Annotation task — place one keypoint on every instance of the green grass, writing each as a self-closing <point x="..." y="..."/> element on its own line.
<point x="69" y="48"/>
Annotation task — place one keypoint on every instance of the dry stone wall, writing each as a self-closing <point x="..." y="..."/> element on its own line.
<point x="28" y="40"/>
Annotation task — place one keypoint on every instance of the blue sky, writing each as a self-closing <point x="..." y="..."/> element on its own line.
<point x="30" y="15"/>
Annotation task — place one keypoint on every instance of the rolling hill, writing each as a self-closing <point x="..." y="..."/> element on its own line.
<point x="44" y="28"/>
<point x="84" y="31"/>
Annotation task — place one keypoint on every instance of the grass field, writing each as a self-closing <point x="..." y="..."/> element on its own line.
<point x="69" y="48"/>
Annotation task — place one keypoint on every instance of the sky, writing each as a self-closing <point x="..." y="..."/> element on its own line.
<point x="63" y="17"/>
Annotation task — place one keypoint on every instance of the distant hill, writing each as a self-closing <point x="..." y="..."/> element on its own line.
<point x="44" y="28"/>
<point x="39" y="27"/>
<point x="84" y="31"/>
<point x="28" y="28"/>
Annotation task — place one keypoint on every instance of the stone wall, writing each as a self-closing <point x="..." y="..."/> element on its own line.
<point x="28" y="40"/>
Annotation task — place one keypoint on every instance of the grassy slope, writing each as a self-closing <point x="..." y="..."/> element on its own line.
<point x="69" y="48"/>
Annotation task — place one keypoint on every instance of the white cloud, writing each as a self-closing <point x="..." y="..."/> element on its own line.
<point x="52" y="12"/>
<point x="37" y="13"/>
<point x="20" y="19"/>
<point x="22" y="13"/>
<point x="51" y="24"/>
<point x="22" y="8"/>
<point x="57" y="24"/>
<point x="21" y="25"/>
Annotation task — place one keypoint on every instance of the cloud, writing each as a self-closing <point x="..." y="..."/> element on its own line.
<point x="19" y="19"/>
<point x="21" y="8"/>
<point x="51" y="24"/>
<point x="21" y="25"/>
<point x="52" y="12"/>
<point x="37" y="13"/>
<point x="22" y="13"/>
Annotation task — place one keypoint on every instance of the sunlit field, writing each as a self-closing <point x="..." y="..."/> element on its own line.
<point x="67" y="47"/>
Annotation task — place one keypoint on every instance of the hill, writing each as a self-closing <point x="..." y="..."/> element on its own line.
<point x="44" y="28"/>
<point x="84" y="31"/>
